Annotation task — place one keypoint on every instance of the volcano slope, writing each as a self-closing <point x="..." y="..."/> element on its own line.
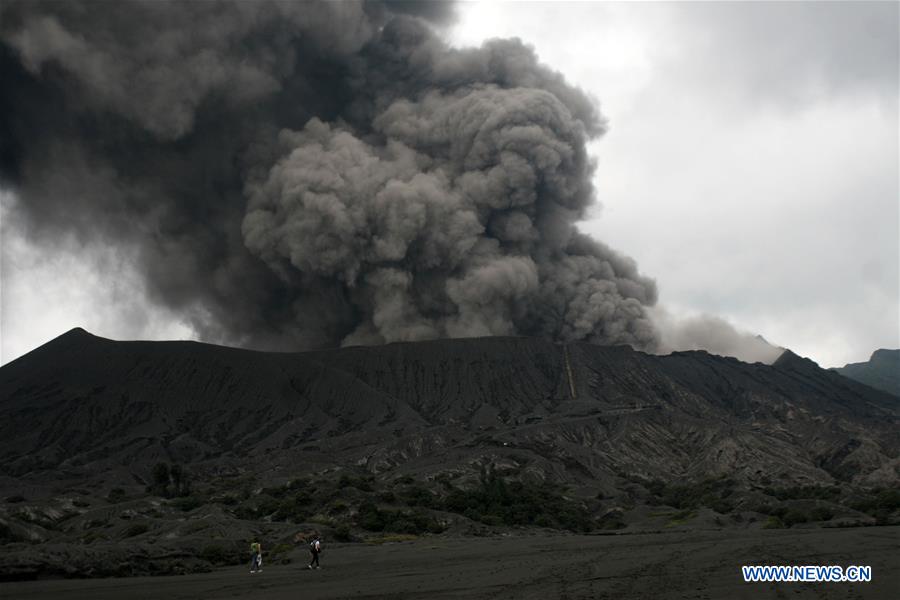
<point x="131" y="458"/>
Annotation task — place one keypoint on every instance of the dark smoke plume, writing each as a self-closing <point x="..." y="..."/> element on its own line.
<point x="297" y="175"/>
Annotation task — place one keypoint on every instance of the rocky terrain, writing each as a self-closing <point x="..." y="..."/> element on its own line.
<point x="135" y="458"/>
<point x="881" y="371"/>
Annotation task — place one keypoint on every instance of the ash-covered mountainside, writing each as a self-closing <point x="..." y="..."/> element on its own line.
<point x="82" y="405"/>
<point x="881" y="371"/>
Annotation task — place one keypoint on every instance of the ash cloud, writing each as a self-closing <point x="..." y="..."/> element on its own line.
<point x="299" y="175"/>
<point x="712" y="334"/>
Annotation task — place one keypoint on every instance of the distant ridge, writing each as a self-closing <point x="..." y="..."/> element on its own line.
<point x="881" y="371"/>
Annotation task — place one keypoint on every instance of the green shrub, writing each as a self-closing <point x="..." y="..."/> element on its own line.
<point x="573" y="520"/>
<point x="244" y="512"/>
<point x="681" y="517"/>
<point x="889" y="499"/>
<point x="712" y="493"/>
<point x="415" y="495"/>
<point x="266" y="506"/>
<point x="290" y="509"/>
<point x="322" y="520"/>
<point x="497" y="501"/>
<point x="882" y="517"/>
<point x="219" y="555"/>
<point x="794" y="517"/>
<point x="282" y="548"/>
<point x="371" y="518"/>
<point x="611" y="523"/>
<point x="492" y="520"/>
<point x="804" y="492"/>
<point x="821" y="513"/>
<point x="655" y="487"/>
<point x="342" y="533"/>
<point x="775" y="511"/>
<point x="765" y="509"/>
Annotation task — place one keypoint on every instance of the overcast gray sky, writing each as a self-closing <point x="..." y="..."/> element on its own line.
<point x="751" y="167"/>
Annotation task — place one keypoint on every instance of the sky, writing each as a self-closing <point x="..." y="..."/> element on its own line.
<point x="750" y="168"/>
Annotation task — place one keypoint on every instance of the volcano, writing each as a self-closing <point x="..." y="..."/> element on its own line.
<point x="85" y="421"/>
<point x="576" y="412"/>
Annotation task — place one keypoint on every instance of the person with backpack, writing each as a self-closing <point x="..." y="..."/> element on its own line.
<point x="255" y="558"/>
<point x="315" y="547"/>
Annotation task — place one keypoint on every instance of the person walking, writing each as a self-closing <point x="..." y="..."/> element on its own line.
<point x="255" y="557"/>
<point x="315" y="547"/>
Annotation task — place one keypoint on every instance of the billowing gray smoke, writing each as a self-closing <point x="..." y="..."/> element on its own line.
<point x="712" y="334"/>
<point x="298" y="175"/>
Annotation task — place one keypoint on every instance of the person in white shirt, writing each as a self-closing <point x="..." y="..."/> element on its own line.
<point x="315" y="547"/>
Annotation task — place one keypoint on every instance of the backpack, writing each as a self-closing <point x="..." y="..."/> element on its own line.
<point x="315" y="546"/>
